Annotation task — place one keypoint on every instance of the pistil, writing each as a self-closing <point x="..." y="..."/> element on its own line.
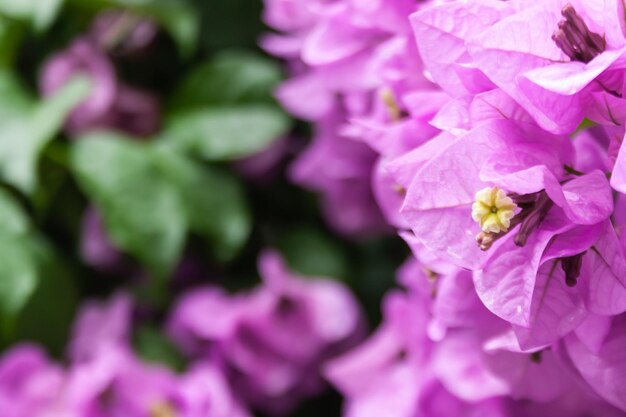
<point x="493" y="210"/>
<point x="534" y="218"/>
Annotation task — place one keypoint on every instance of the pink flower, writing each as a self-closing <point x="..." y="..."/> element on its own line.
<point x="101" y="326"/>
<point x="603" y="368"/>
<point x="110" y="104"/>
<point x="30" y="384"/>
<point x="274" y="339"/>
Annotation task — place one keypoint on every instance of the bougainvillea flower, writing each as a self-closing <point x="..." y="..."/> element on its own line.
<point x="618" y="178"/>
<point x="603" y="369"/>
<point x="106" y="379"/>
<point x="85" y="58"/>
<point x="274" y="339"/>
<point x="110" y="104"/>
<point x="116" y="384"/>
<point x="339" y="54"/>
<point x="450" y="171"/>
<point x="101" y="325"/>
<point x="391" y="131"/>
<point x="30" y="384"/>
<point x="464" y="371"/>
<point x="289" y="15"/>
<point x="462" y="114"/>
<point x="508" y="260"/>
<point x="205" y="392"/>
<point x="460" y="357"/>
<point x="340" y="169"/>
<point x="380" y="374"/>
<point x="442" y="32"/>
<point x="575" y="48"/>
<point x="517" y="235"/>
<point x="392" y="140"/>
<point x="398" y="124"/>
<point x="549" y="286"/>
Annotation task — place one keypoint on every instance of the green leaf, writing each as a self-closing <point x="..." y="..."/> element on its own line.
<point x="26" y="128"/>
<point x="14" y="100"/>
<point x="18" y="266"/>
<point x="48" y="315"/>
<point x="13" y="220"/>
<point x="10" y="36"/>
<point x="214" y="201"/>
<point x="226" y="133"/>
<point x="234" y="77"/>
<point x="224" y="109"/>
<point x="142" y="211"/>
<point x="18" y="273"/>
<point x="40" y="13"/>
<point x="312" y="252"/>
<point x="37" y="297"/>
<point x="585" y="124"/>
<point x="153" y="346"/>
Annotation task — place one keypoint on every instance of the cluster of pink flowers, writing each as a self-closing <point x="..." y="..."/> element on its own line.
<point x="489" y="133"/>
<point x="258" y="350"/>
<point x="106" y="379"/>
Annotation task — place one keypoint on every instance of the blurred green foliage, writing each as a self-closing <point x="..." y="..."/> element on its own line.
<point x="39" y="13"/>
<point x="28" y="124"/>
<point x="37" y="298"/>
<point x="164" y="196"/>
<point x="154" y="346"/>
<point x="142" y="211"/>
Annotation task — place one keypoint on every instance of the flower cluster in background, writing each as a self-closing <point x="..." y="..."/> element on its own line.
<point x="263" y="348"/>
<point x="142" y="171"/>
<point x="191" y="228"/>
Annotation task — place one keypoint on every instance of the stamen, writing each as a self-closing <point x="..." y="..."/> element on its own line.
<point x="571" y="170"/>
<point x="485" y="240"/>
<point x="395" y="112"/>
<point x="430" y="274"/>
<point x="571" y="266"/>
<point x="524" y="199"/>
<point x="534" y="218"/>
<point x="575" y="39"/>
<point x="592" y="39"/>
<point x="432" y="278"/>
<point x="535" y="357"/>
<point x="399" y="189"/>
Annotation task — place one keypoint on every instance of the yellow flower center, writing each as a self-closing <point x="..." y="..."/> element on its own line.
<point x="493" y="210"/>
